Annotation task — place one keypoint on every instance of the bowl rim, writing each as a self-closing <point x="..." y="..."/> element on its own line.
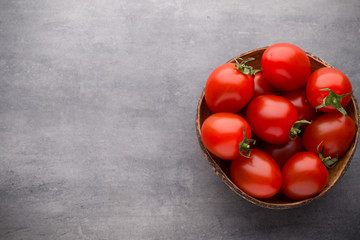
<point x="256" y="201"/>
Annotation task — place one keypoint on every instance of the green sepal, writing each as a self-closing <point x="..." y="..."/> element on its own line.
<point x="244" y="145"/>
<point x="334" y="100"/>
<point x="245" y="69"/>
<point x="327" y="161"/>
<point x="295" y="129"/>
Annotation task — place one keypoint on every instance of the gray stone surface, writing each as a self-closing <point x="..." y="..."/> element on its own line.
<point x="97" y="108"/>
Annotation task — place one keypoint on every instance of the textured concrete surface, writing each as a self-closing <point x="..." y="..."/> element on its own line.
<point x="97" y="108"/>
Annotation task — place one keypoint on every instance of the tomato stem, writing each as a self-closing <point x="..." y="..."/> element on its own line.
<point x="295" y="129"/>
<point x="244" y="145"/>
<point x="327" y="161"/>
<point x="245" y="69"/>
<point x="334" y="100"/>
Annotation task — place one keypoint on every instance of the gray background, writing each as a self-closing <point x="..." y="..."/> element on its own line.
<point x="97" y="109"/>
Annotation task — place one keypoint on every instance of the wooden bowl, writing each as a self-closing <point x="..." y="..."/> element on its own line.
<point x="279" y="201"/>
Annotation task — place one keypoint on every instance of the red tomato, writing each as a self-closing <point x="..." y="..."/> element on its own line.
<point x="258" y="176"/>
<point x="221" y="134"/>
<point x="271" y="118"/>
<point x="285" y="66"/>
<point x="335" y="130"/>
<point x="262" y="86"/>
<point x="227" y="89"/>
<point x="304" y="176"/>
<point x="304" y="108"/>
<point x="282" y="152"/>
<point x="328" y="78"/>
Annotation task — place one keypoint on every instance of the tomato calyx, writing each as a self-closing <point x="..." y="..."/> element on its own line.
<point x="245" y="69"/>
<point x="244" y="145"/>
<point x="334" y="100"/>
<point x="295" y="129"/>
<point x="327" y="161"/>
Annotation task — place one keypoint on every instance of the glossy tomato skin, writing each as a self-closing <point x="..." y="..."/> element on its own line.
<point x="221" y="134"/>
<point x="282" y="152"/>
<point x="227" y="89"/>
<point x="262" y="86"/>
<point x="335" y="130"/>
<point x="304" y="176"/>
<point x="298" y="98"/>
<point x="271" y="118"/>
<point x="259" y="176"/>
<point x="285" y="66"/>
<point x="331" y="78"/>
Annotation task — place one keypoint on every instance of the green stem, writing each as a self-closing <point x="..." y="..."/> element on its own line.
<point x="245" y="69"/>
<point x="244" y="145"/>
<point x="327" y="161"/>
<point x="334" y="100"/>
<point x="295" y="129"/>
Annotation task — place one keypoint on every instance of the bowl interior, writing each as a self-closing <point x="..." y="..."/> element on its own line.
<point x="279" y="201"/>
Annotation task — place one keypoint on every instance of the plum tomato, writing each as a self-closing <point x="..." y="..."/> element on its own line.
<point x="304" y="176"/>
<point x="228" y="88"/>
<point x="258" y="175"/>
<point x="285" y="66"/>
<point x="329" y="90"/>
<point x="271" y="118"/>
<point x="282" y="152"/>
<point x="262" y="86"/>
<point x="334" y="131"/>
<point x="222" y="133"/>
<point x="304" y="108"/>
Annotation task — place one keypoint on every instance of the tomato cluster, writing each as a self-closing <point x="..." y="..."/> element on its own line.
<point x="297" y="117"/>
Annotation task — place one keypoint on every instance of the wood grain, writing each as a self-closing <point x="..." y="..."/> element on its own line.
<point x="279" y="201"/>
